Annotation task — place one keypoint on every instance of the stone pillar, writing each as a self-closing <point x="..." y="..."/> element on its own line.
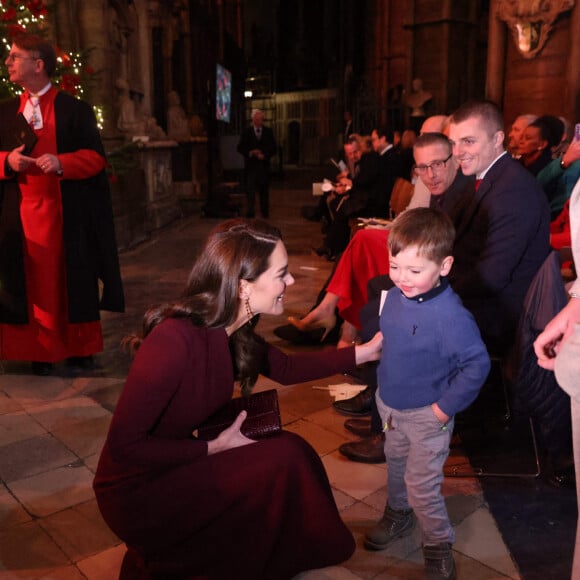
<point x="92" y="27"/>
<point x="496" y="50"/>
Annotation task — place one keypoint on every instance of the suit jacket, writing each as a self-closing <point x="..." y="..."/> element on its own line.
<point x="502" y="241"/>
<point x="88" y="227"/>
<point x="365" y="185"/>
<point x="266" y="143"/>
<point x="388" y="169"/>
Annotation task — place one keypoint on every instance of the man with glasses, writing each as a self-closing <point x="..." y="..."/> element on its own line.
<point x="58" y="255"/>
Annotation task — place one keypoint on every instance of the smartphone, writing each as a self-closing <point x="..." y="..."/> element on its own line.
<point x="577" y="132"/>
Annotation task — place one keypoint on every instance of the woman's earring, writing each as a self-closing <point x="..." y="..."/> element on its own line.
<point x="249" y="311"/>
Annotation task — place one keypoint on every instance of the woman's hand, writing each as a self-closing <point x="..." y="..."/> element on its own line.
<point x="370" y="350"/>
<point x="549" y="342"/>
<point x="230" y="438"/>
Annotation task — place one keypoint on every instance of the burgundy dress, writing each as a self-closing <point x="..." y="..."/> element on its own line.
<point x="264" y="510"/>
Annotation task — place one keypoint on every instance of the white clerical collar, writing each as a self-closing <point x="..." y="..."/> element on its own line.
<point x="43" y="91"/>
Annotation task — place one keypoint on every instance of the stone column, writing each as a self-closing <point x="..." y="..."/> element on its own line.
<point x="496" y="49"/>
<point x="92" y="27"/>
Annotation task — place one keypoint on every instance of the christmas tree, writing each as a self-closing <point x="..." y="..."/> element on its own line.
<point x="72" y="74"/>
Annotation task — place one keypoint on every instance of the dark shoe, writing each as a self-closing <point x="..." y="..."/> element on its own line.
<point x="81" y="362"/>
<point x="310" y="337"/>
<point x="42" y="369"/>
<point x="367" y="450"/>
<point x="359" y="405"/>
<point x="439" y="562"/>
<point x="360" y="427"/>
<point x="322" y="251"/>
<point x="393" y="525"/>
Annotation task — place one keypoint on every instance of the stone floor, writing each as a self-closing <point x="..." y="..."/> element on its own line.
<point x="52" y="429"/>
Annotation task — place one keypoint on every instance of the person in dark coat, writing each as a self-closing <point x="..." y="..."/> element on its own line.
<point x="57" y="238"/>
<point x="257" y="145"/>
<point x="231" y="507"/>
<point x="503" y="236"/>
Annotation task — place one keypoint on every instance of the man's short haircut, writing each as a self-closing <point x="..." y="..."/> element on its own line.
<point x="42" y="49"/>
<point x="384" y="131"/>
<point x="487" y="111"/>
<point x="429" y="229"/>
<point x="427" y="139"/>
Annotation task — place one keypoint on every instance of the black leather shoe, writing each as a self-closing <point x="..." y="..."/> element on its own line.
<point x="42" y="369"/>
<point x="311" y="337"/>
<point x="367" y="450"/>
<point x="359" y="405"/>
<point x="360" y="427"/>
<point x="85" y="363"/>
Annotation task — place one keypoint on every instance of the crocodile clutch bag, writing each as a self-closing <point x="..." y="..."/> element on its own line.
<point x="263" y="416"/>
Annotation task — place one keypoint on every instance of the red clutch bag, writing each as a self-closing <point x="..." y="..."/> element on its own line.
<point x="263" y="416"/>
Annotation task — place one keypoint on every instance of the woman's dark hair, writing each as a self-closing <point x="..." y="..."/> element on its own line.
<point x="238" y="249"/>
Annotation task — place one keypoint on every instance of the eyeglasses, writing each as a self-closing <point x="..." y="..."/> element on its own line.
<point x="12" y="57"/>
<point x="435" y="166"/>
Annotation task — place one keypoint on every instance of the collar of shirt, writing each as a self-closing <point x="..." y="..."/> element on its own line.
<point x="386" y="149"/>
<point x="42" y="91"/>
<point x="483" y="173"/>
<point x="430" y="294"/>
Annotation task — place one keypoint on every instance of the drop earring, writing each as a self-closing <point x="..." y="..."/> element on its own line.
<point x="249" y="311"/>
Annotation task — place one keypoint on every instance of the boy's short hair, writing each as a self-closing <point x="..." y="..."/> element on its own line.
<point x="430" y="230"/>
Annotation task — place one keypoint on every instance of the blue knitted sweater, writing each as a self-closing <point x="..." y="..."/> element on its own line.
<point x="432" y="352"/>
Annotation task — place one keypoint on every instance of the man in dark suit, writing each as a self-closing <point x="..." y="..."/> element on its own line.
<point x="257" y="145"/>
<point x="389" y="168"/>
<point x="503" y="235"/>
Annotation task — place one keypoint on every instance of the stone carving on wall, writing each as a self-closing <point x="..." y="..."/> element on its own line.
<point x="131" y="121"/>
<point x="530" y="21"/>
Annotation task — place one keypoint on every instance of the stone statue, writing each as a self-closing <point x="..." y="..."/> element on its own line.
<point x="417" y="99"/>
<point x="131" y="122"/>
<point x="178" y="124"/>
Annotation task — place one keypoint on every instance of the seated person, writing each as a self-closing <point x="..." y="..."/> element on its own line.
<point x="560" y="236"/>
<point x="535" y="146"/>
<point x="364" y="176"/>
<point x="559" y="177"/>
<point x="366" y="254"/>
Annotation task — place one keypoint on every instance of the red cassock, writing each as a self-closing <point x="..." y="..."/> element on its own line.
<point x="48" y="336"/>
<point x="365" y="257"/>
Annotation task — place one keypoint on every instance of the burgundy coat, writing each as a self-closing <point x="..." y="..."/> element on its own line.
<point x="264" y="510"/>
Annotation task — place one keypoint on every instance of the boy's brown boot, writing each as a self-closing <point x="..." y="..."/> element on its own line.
<point x="439" y="562"/>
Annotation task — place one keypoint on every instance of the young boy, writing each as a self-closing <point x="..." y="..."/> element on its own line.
<point x="432" y="366"/>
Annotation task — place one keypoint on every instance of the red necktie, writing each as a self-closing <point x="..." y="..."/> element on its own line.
<point x="477" y="184"/>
